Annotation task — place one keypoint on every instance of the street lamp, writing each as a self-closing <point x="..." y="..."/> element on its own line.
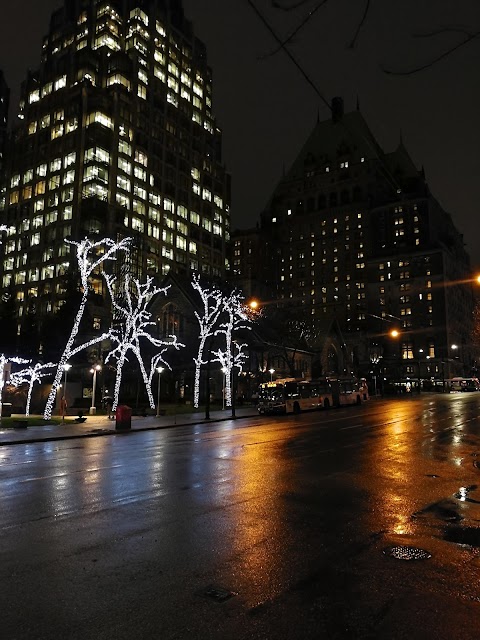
<point x="66" y="368"/>
<point x="159" y="371"/>
<point x="94" y="370"/>
<point x="420" y="351"/>
<point x="271" y="372"/>
<point x="224" y="371"/>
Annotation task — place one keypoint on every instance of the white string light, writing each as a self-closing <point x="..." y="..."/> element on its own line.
<point x="135" y="323"/>
<point x="4" y="360"/>
<point x="90" y="257"/>
<point x="233" y="355"/>
<point x="212" y="307"/>
<point x="29" y="376"/>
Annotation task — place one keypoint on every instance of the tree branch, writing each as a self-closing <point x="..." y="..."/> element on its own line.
<point x="296" y="30"/>
<point x="360" y="25"/>
<point x="429" y="64"/>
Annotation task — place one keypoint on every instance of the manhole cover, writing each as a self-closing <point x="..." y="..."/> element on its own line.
<point x="407" y="553"/>
<point x="217" y="593"/>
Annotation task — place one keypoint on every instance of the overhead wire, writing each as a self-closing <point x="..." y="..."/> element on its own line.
<point x="282" y="46"/>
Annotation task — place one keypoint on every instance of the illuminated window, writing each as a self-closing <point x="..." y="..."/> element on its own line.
<point x="92" y="172"/>
<point x="159" y="73"/>
<point x="69" y="159"/>
<point x="137" y="224"/>
<point x="138" y="207"/>
<point x="106" y="40"/>
<point x="141" y="158"/>
<point x="123" y="200"/>
<point x="69" y="177"/>
<point x="123" y="183"/>
<point x="60" y="83"/>
<point x="101" y="118"/>
<point x="34" y="96"/>
<point x="171" y="98"/>
<point x="118" y="78"/>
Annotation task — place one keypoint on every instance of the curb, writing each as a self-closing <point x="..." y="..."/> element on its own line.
<point x="114" y="432"/>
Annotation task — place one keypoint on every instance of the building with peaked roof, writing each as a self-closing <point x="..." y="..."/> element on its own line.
<point x="353" y="233"/>
<point x="116" y="137"/>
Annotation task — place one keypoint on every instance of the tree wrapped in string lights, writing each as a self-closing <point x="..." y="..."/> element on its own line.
<point x="90" y="257"/>
<point x="30" y="375"/>
<point x="4" y="361"/>
<point x="236" y="359"/>
<point x="212" y="305"/>
<point x="235" y="316"/>
<point x="133" y="322"/>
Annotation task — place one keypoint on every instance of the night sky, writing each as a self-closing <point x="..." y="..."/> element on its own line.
<point x="267" y="109"/>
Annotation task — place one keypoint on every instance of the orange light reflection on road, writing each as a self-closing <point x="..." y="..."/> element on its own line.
<point x="394" y="463"/>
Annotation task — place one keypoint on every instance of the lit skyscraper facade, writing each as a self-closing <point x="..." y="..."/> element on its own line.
<point x="116" y="138"/>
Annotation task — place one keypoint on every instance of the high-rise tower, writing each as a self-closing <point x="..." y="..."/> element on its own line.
<point x="116" y="138"/>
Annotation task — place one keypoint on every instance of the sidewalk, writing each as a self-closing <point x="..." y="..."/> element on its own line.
<point x="100" y="425"/>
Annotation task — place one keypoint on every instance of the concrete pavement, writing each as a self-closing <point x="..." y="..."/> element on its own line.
<point x="100" y="425"/>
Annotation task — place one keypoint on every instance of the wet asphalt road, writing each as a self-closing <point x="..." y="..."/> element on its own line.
<point x="271" y="528"/>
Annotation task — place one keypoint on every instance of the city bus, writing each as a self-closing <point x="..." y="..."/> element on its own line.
<point x="460" y="384"/>
<point x="290" y="395"/>
<point x="348" y="390"/>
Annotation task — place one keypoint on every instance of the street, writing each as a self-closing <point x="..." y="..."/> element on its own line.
<point x="269" y="527"/>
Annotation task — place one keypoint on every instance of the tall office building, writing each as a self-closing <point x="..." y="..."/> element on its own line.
<point x="117" y="138"/>
<point x="352" y="235"/>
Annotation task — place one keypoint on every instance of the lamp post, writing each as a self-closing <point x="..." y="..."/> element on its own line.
<point x="224" y="372"/>
<point x="66" y="368"/>
<point x="94" y="370"/>
<point x="159" y="371"/>
<point x="271" y="372"/>
<point x="420" y="351"/>
<point x="454" y="348"/>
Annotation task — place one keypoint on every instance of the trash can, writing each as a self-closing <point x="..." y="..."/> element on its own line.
<point x="123" y="418"/>
<point x="6" y="410"/>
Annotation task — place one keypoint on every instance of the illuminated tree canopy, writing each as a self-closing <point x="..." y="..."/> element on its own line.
<point x="133" y="323"/>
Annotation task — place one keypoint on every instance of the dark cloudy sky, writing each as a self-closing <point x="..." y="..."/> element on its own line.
<point x="267" y="109"/>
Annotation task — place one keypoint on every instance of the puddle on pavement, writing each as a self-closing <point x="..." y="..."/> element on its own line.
<point x="463" y="535"/>
<point x="463" y="494"/>
<point x="446" y="510"/>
